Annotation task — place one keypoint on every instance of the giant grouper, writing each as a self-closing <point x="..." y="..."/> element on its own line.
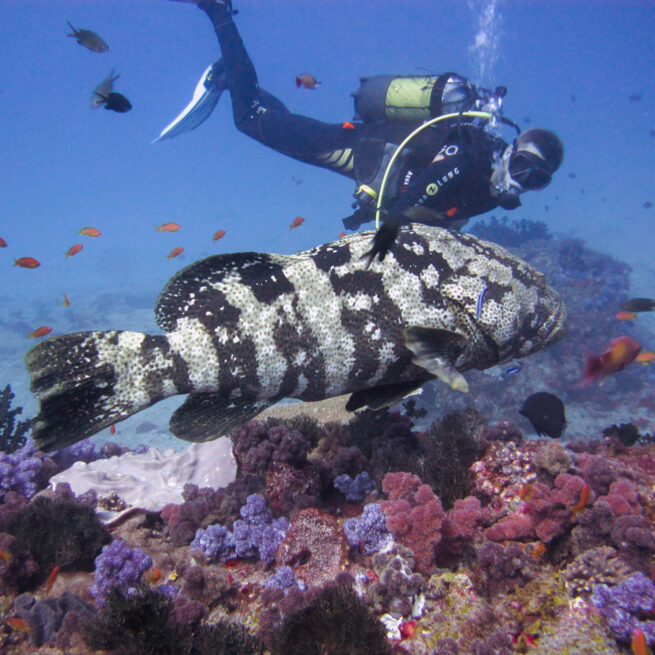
<point x="245" y="330"/>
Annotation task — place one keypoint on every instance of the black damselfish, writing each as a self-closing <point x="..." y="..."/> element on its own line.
<point x="546" y="413"/>
<point x="245" y="330"/>
<point x="639" y="305"/>
<point x="115" y="101"/>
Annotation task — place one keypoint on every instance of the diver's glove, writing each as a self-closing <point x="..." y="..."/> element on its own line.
<point x="384" y="238"/>
<point x="205" y="97"/>
<point x="355" y="220"/>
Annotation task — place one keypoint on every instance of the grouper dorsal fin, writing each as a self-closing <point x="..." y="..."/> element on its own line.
<point x="436" y="350"/>
<point x="198" y="291"/>
<point x="207" y="416"/>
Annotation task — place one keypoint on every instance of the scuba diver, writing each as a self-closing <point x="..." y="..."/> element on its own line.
<point x="444" y="175"/>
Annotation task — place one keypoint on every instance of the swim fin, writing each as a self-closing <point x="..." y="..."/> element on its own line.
<point x="205" y="97"/>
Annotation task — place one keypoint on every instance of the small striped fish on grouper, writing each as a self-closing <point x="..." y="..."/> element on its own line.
<point x="245" y="330"/>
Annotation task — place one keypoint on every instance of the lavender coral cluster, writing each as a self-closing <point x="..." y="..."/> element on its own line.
<point x="369" y="532"/>
<point x="119" y="566"/>
<point x="257" y="533"/>
<point x="623" y="605"/>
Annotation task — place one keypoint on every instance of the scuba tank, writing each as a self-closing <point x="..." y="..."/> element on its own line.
<point x="419" y="98"/>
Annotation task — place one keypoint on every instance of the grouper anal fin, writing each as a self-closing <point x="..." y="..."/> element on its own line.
<point x="207" y="416"/>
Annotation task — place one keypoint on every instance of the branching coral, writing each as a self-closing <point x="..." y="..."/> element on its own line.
<point x="12" y="433"/>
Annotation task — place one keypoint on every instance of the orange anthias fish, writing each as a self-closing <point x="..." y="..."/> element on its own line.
<point x="219" y="235"/>
<point x="169" y="227"/>
<point x="3" y="243"/>
<point x="625" y="316"/>
<point x="27" y="262"/>
<point x="647" y="357"/>
<point x="67" y="302"/>
<point x="619" y="353"/>
<point x="297" y="222"/>
<point x="585" y="494"/>
<point x="176" y="252"/>
<point x="19" y="625"/>
<point x="307" y="81"/>
<point x="40" y="332"/>
<point x="348" y="126"/>
<point x="73" y="250"/>
<point x="639" y="644"/>
<point x="112" y="429"/>
<point x="51" y="580"/>
<point x="153" y="575"/>
<point x="90" y="232"/>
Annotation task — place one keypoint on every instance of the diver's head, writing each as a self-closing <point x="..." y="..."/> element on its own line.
<point x="536" y="155"/>
<point x="527" y="165"/>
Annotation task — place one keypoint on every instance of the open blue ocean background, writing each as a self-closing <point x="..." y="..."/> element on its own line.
<point x="581" y="68"/>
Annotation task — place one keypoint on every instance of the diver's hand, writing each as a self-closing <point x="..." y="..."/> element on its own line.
<point x="384" y="238"/>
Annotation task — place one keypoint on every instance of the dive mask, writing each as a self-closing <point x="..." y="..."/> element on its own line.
<point x="529" y="170"/>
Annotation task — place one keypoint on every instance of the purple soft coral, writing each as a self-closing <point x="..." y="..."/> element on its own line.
<point x="256" y="533"/>
<point x="20" y="471"/>
<point x="121" y="566"/>
<point x="369" y="532"/>
<point x="354" y="490"/>
<point x="621" y="606"/>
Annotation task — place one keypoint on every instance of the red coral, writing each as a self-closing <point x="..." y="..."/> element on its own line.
<point x="459" y="528"/>
<point x="623" y="498"/>
<point x="414" y="516"/>
<point x="315" y="546"/>
<point x="515" y="526"/>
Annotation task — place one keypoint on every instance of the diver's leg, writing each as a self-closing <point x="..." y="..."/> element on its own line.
<point x="264" y="117"/>
<point x="241" y="74"/>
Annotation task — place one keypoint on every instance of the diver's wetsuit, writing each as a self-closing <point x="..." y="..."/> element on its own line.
<point x="442" y="177"/>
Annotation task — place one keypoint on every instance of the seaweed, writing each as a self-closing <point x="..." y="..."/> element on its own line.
<point x="61" y="533"/>
<point x="144" y="624"/>
<point x="336" y="622"/>
<point x="12" y="433"/>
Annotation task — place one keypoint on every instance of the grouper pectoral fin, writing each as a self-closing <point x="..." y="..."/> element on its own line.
<point x="436" y="351"/>
<point x="207" y="416"/>
<point x="383" y="396"/>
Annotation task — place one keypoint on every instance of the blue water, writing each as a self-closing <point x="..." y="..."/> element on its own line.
<point x="569" y="66"/>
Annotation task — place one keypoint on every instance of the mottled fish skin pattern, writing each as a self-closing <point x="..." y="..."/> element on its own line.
<point x="308" y="326"/>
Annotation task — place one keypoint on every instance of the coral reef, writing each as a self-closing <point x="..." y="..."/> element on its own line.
<point x="540" y="544"/>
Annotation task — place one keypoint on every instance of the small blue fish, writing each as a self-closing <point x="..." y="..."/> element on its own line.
<point x="478" y="306"/>
<point x="516" y="366"/>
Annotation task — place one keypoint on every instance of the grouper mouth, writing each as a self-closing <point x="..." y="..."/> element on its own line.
<point x="554" y="327"/>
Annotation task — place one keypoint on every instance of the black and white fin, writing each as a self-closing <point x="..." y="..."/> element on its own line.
<point x="383" y="396"/>
<point x="207" y="416"/>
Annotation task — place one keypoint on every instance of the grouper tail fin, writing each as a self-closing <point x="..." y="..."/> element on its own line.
<point x="89" y="380"/>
